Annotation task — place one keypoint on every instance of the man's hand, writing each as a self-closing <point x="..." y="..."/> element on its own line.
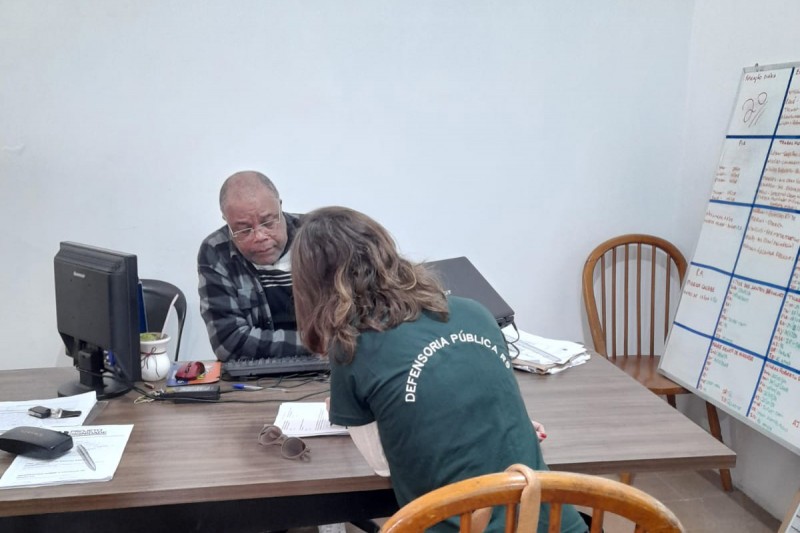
<point x="540" y="432"/>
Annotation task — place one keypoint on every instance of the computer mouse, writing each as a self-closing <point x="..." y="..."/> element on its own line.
<point x="190" y="370"/>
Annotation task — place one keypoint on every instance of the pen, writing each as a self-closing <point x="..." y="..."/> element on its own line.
<point x="86" y="457"/>
<point x="242" y="386"/>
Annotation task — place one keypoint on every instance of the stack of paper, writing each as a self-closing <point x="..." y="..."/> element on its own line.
<point x="545" y="356"/>
<point x="104" y="444"/>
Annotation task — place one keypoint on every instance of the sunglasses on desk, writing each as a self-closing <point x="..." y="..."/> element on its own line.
<point x="291" y="447"/>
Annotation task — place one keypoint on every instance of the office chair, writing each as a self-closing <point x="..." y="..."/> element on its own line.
<point x="521" y="491"/>
<point x="637" y="279"/>
<point x="158" y="295"/>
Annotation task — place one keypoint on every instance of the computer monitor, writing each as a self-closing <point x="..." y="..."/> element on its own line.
<point x="97" y="313"/>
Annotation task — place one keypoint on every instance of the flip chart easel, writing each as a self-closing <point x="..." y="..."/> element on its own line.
<point x="735" y="340"/>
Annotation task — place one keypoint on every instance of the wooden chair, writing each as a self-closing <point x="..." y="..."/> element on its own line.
<point x="637" y="279"/>
<point x="521" y="489"/>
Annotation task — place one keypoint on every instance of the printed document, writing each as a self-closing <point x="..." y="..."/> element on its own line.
<point x="104" y="445"/>
<point x="306" y="419"/>
<point x="13" y="414"/>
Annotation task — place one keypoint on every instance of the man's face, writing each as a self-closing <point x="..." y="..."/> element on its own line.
<point x="257" y="226"/>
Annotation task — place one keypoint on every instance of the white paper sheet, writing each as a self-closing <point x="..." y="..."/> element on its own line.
<point x="104" y="444"/>
<point x="306" y="419"/>
<point x="13" y="414"/>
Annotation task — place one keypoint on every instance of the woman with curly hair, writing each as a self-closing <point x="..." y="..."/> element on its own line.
<point x="423" y="382"/>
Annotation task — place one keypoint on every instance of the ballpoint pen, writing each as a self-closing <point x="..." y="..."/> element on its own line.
<point x="84" y="453"/>
<point x="242" y="386"/>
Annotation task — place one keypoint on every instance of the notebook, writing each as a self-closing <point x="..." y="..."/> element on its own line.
<point x="211" y="375"/>
<point x="460" y="278"/>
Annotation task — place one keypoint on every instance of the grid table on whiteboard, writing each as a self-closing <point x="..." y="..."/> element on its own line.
<point x="736" y="336"/>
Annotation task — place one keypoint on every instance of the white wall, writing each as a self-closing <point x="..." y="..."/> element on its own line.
<point x="726" y="37"/>
<point x="517" y="133"/>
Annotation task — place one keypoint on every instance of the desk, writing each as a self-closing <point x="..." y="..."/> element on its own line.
<point x="188" y="464"/>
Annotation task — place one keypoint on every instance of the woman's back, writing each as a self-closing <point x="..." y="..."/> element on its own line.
<point x="445" y="399"/>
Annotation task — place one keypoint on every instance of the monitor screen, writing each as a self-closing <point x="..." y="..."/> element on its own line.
<point x="97" y="314"/>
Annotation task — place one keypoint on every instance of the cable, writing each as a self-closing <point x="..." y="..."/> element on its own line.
<point x="512" y="343"/>
<point x="116" y="373"/>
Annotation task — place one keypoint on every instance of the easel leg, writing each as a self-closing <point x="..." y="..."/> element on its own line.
<point x="716" y="431"/>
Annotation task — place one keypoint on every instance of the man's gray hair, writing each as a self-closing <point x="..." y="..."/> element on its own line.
<point x="249" y="177"/>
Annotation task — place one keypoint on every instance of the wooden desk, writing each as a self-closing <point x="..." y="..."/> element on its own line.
<point x="600" y="421"/>
<point x="192" y="465"/>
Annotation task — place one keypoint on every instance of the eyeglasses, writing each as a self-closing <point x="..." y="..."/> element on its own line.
<point x="291" y="447"/>
<point x="269" y="227"/>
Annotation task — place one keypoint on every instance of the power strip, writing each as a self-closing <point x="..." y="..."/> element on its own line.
<point x="190" y="392"/>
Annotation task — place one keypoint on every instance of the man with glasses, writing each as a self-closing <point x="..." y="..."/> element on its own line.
<point x="245" y="273"/>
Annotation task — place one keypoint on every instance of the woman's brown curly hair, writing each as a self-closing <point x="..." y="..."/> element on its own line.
<point x="348" y="277"/>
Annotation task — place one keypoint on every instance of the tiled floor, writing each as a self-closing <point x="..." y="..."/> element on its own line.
<point x="695" y="497"/>
<point x="702" y="506"/>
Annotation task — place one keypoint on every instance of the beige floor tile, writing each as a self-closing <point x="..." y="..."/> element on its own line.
<point x="655" y="485"/>
<point x="689" y="485"/>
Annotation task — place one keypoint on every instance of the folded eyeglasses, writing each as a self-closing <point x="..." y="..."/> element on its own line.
<point x="291" y="447"/>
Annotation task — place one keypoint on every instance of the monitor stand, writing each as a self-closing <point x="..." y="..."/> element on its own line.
<point x="91" y="369"/>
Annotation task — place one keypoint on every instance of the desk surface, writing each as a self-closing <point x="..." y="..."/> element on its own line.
<point x="598" y="420"/>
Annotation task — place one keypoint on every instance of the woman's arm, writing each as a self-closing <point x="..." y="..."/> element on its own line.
<point x="368" y="442"/>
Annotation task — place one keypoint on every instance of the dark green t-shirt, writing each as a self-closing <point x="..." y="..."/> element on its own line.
<point x="446" y="401"/>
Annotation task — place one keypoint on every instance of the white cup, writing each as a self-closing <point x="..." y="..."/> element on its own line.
<point x="155" y="360"/>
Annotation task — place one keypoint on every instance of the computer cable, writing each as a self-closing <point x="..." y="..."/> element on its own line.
<point x="511" y="344"/>
<point x="210" y="393"/>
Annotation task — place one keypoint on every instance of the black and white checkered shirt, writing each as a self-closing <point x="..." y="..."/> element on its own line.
<point x="234" y="305"/>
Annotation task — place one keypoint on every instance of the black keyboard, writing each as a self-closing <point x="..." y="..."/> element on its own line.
<point x="275" y="365"/>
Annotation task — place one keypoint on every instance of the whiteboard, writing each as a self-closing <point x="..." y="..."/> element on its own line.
<point x="735" y="340"/>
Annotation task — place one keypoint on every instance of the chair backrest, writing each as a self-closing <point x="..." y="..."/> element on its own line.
<point x="631" y="287"/>
<point x="603" y="496"/>
<point x="158" y="296"/>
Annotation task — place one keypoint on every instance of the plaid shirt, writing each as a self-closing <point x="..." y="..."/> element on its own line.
<point x="234" y="305"/>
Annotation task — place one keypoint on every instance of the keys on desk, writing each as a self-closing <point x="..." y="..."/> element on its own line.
<point x="55" y="412"/>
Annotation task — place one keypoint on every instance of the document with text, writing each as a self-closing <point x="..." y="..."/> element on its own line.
<point x="102" y="448"/>
<point x="306" y="419"/>
<point x="13" y="414"/>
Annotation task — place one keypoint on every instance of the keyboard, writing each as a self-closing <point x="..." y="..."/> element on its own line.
<point x="275" y="365"/>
